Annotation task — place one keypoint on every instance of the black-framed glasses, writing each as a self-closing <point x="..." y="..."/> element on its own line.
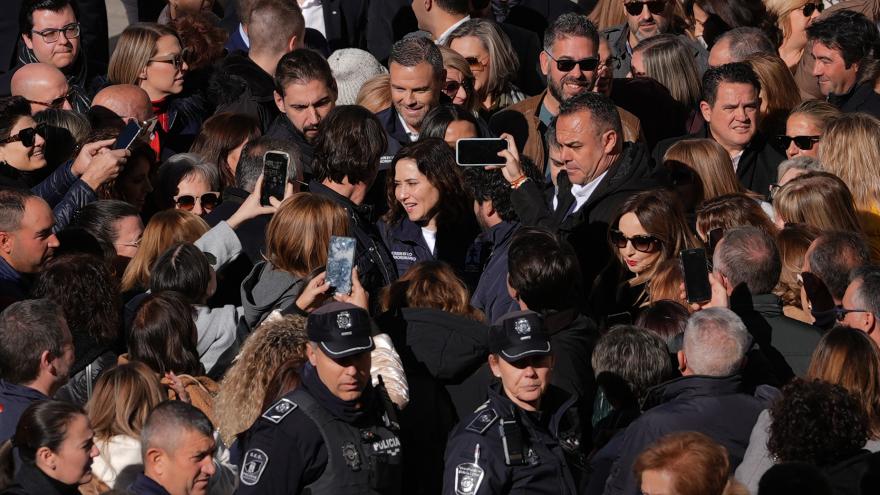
<point x="612" y="62"/>
<point x="70" y="31"/>
<point x="27" y="136"/>
<point x="175" y="60"/>
<point x="567" y="65"/>
<point x="809" y="8"/>
<point x="641" y="243"/>
<point x="208" y="200"/>
<point x="451" y="87"/>
<point x="840" y="312"/>
<point x="56" y="103"/>
<point x="655" y="7"/>
<point x="804" y="143"/>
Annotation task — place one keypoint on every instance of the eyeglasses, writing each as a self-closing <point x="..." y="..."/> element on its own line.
<point x="611" y="62"/>
<point x="56" y="103"/>
<point x="452" y="87"/>
<point x="208" y="200"/>
<point x="809" y="8"/>
<point x="27" y="136"/>
<point x="567" y="65"/>
<point x="655" y="7"/>
<point x="175" y="60"/>
<point x="641" y="243"/>
<point x="804" y="143"/>
<point x="840" y="312"/>
<point x="70" y="31"/>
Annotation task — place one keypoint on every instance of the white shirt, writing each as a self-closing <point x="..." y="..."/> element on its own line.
<point x="441" y="40"/>
<point x="735" y="160"/>
<point x="244" y="36"/>
<point x="313" y="13"/>
<point x="581" y="193"/>
<point x="413" y="135"/>
<point x="430" y="238"/>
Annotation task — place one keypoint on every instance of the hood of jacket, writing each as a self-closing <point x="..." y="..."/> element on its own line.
<point x="450" y="347"/>
<point x="266" y="288"/>
<point x="237" y="74"/>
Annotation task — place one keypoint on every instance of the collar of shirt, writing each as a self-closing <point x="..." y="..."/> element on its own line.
<point x="244" y="36"/>
<point x="442" y="38"/>
<point x="313" y="13"/>
<point x="735" y="160"/>
<point x="582" y="193"/>
<point x="413" y="135"/>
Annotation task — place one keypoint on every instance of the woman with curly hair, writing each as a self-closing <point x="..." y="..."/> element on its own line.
<point x="832" y="364"/>
<point x="88" y="294"/>
<point x="243" y="390"/>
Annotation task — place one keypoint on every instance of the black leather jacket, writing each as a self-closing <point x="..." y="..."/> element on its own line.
<point x="64" y="191"/>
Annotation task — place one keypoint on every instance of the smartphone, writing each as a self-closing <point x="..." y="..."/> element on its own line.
<point x="340" y="261"/>
<point x="479" y="152"/>
<point x="130" y="132"/>
<point x="695" y="270"/>
<point x="274" y="176"/>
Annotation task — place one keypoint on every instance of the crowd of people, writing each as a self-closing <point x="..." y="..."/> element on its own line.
<point x="170" y="327"/>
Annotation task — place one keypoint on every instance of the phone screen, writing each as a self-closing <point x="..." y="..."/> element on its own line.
<point x="340" y="261"/>
<point x="696" y="275"/>
<point x="129" y="133"/>
<point x="477" y="152"/>
<point x="274" y="176"/>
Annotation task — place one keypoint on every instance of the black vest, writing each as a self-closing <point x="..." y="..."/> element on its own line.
<point x="359" y="460"/>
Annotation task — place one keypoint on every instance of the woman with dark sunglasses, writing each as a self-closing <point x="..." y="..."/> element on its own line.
<point x="187" y="182"/>
<point x="804" y="128"/>
<point x="649" y="228"/>
<point x="459" y="85"/>
<point x="792" y="18"/>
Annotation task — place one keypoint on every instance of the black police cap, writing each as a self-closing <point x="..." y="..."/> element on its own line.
<point x="518" y="335"/>
<point x="341" y="329"/>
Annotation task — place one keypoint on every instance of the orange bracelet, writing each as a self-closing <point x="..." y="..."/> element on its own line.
<point x="514" y="184"/>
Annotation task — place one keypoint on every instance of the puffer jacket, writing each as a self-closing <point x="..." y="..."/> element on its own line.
<point x="63" y="190"/>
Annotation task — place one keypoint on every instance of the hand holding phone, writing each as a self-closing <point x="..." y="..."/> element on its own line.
<point x="479" y="152"/>
<point x="340" y="261"/>
<point x="275" y="165"/>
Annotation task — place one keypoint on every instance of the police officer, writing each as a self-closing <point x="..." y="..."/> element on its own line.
<point x="335" y="433"/>
<point x="526" y="438"/>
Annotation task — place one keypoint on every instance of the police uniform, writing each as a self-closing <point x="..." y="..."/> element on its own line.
<point x="502" y="448"/>
<point x="312" y="442"/>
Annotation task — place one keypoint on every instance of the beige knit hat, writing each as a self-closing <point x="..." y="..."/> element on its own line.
<point x="351" y="69"/>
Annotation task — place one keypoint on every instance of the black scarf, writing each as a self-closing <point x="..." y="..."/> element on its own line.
<point x="351" y="412"/>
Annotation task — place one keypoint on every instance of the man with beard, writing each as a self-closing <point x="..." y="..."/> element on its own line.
<point x="645" y="19"/>
<point x="570" y="61"/>
<point x="305" y="92"/>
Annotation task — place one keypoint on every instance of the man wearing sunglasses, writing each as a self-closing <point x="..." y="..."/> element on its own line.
<point x="843" y="46"/>
<point x="729" y="105"/>
<point x="861" y="302"/>
<point x="43" y="86"/>
<point x="644" y="19"/>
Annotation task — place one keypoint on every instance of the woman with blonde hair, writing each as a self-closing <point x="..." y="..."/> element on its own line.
<point x="669" y="60"/>
<point x="805" y="127"/>
<point x="164" y="229"/>
<point x="118" y="409"/>
<point x="488" y="52"/>
<point x="792" y="18"/>
<point x="793" y="241"/>
<point x="834" y="361"/>
<point x="459" y="83"/>
<point x="243" y="389"/>
<point x="297" y="240"/>
<point x="819" y="200"/>
<point x="779" y="92"/>
<point x="375" y="93"/>
<point x="850" y="151"/>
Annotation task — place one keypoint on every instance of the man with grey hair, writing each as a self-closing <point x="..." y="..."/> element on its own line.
<point x="861" y="301"/>
<point x="747" y="263"/>
<point x="177" y="445"/>
<point x="709" y="397"/>
<point x="738" y="44"/>
<point x="417" y="77"/>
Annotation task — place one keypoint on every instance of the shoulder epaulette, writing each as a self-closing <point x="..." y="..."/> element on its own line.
<point x="279" y="410"/>
<point x="482" y="421"/>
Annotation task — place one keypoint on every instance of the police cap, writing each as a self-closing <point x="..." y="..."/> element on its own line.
<point x="341" y="329"/>
<point x="518" y="335"/>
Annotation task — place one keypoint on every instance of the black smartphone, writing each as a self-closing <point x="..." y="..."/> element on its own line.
<point x="130" y="132"/>
<point x="274" y="176"/>
<point x="479" y="152"/>
<point x="340" y="261"/>
<point x="695" y="270"/>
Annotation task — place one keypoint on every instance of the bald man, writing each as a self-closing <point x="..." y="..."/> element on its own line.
<point x="119" y="104"/>
<point x="43" y="86"/>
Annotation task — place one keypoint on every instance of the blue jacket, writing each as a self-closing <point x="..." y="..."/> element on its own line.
<point x="394" y="131"/>
<point x="14" y="399"/>
<point x="64" y="192"/>
<point x="146" y="486"/>
<point x="12" y="285"/>
<point x="491" y="295"/>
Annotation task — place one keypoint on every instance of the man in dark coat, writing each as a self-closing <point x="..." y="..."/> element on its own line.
<point x="36" y="352"/>
<point x="708" y="398"/>
<point x="730" y="105"/>
<point x="748" y="264"/>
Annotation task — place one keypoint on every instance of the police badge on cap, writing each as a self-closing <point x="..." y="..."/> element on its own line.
<point x="341" y="329"/>
<point x="517" y="335"/>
